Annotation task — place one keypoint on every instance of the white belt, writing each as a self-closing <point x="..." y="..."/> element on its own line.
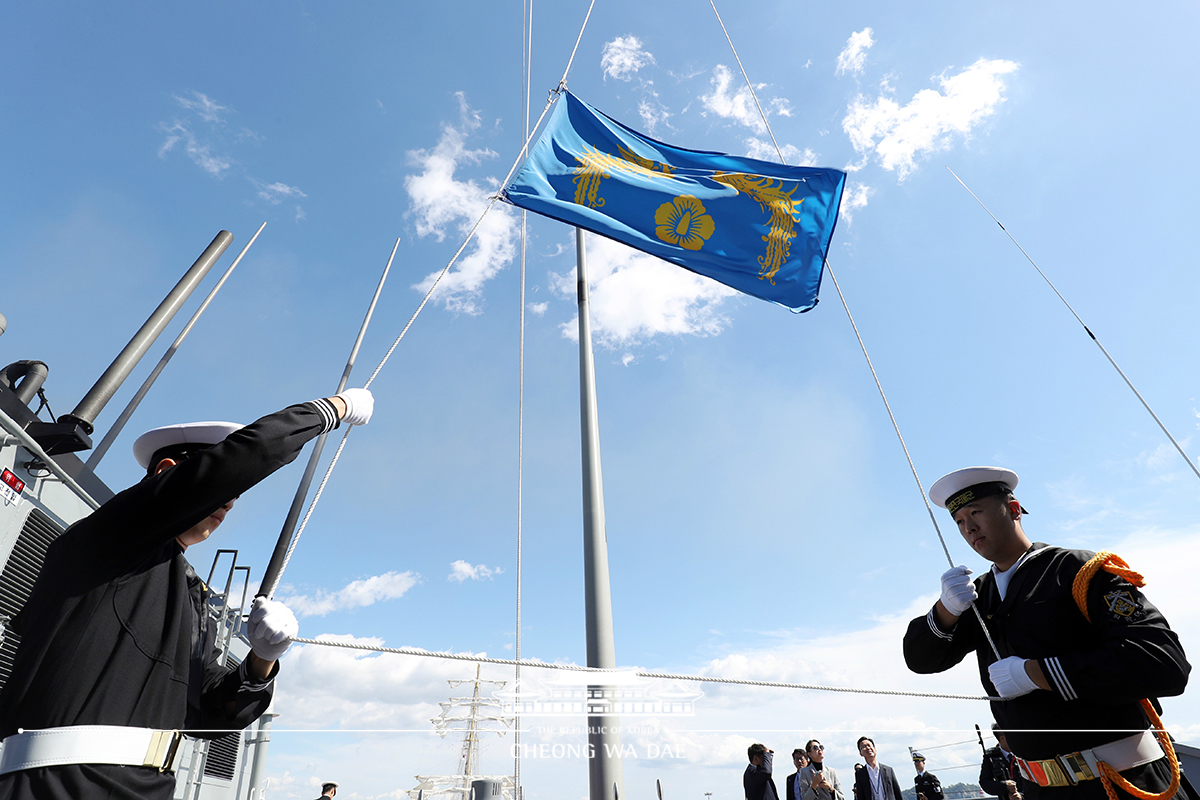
<point x="1071" y="768"/>
<point x="91" y="744"/>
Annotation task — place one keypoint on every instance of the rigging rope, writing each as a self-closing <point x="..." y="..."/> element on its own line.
<point x="861" y="344"/>
<point x="273" y="575"/>
<point x="951" y="744"/>
<point x="413" y="651"/>
<point x="911" y="465"/>
<point x="1086" y="330"/>
<point x="749" y="85"/>
<point x="341" y="446"/>
<point x="467" y="240"/>
<point x="562" y="83"/>
<point x="527" y="70"/>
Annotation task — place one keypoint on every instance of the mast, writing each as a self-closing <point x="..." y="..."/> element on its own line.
<point x="471" y="739"/>
<point x="605" y="776"/>
<point x="472" y="716"/>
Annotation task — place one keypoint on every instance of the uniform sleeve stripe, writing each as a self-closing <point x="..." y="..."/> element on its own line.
<point x="329" y="415"/>
<point x="1058" y="677"/>
<point x="251" y="682"/>
<point x="933" y="626"/>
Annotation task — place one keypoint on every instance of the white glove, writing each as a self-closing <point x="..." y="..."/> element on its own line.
<point x="957" y="590"/>
<point x="1009" y="677"/>
<point x="359" y="405"/>
<point x="271" y="628"/>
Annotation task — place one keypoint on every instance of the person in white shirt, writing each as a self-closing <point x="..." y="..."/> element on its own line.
<point x="875" y="781"/>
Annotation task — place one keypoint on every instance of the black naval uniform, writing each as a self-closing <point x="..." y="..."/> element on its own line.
<point x="997" y="768"/>
<point x="114" y="634"/>
<point x="1099" y="670"/>
<point x="928" y="785"/>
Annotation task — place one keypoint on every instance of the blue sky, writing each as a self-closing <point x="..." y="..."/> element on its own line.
<point x="762" y="521"/>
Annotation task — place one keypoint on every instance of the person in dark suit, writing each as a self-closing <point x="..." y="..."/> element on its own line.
<point x="800" y="759"/>
<point x="875" y="781"/>
<point x="757" y="780"/>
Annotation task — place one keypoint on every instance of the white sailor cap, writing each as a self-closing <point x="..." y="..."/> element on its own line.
<point x="325" y="786"/>
<point x="201" y="433"/>
<point x="956" y="489"/>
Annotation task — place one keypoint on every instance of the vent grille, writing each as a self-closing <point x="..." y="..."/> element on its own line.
<point x="222" y="756"/>
<point x="16" y="581"/>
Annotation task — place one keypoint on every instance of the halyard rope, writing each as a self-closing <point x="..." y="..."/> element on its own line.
<point x="491" y="202"/>
<point x="911" y="466"/>
<point x="895" y="425"/>
<point x="414" y="651"/>
<point x="749" y="85"/>
<point x="526" y="89"/>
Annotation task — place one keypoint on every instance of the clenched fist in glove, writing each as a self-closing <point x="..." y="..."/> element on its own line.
<point x="1010" y="677"/>
<point x="958" y="592"/>
<point x="359" y="405"/>
<point x="271" y="628"/>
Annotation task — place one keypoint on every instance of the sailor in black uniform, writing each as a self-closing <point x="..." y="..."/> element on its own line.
<point x="115" y="650"/>
<point x="927" y="785"/>
<point x="998" y="775"/>
<point x="1070" y="688"/>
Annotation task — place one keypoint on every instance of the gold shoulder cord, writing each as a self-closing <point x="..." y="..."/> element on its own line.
<point x="1111" y="562"/>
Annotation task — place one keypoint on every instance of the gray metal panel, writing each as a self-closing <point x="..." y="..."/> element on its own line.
<point x="17" y="579"/>
<point x="1189" y="759"/>
<point x="222" y="758"/>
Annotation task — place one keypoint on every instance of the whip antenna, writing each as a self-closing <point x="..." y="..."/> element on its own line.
<point x="1086" y="329"/>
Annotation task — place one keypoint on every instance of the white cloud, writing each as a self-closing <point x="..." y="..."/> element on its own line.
<point x="897" y="134"/>
<point x="736" y="105"/>
<point x="623" y="57"/>
<point x="853" y="198"/>
<point x="247" y="135"/>
<point x="274" y="193"/>
<point x="652" y="112"/>
<point x="1163" y="456"/>
<point x="538" y="309"/>
<point x="202" y="131"/>
<point x="333" y="687"/>
<point x="461" y="570"/>
<point x="635" y="297"/>
<point x="206" y="108"/>
<point x="440" y="200"/>
<point x="356" y="594"/>
<point x="853" y="56"/>
<point x="792" y="155"/>
<point x="341" y="690"/>
<point x="200" y="153"/>
<point x="781" y="106"/>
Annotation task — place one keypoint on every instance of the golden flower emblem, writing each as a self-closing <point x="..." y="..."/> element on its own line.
<point x="683" y="222"/>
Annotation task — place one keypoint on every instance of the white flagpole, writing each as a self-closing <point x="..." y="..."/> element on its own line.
<point x="604" y="738"/>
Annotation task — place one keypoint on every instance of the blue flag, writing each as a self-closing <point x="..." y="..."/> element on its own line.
<point x="758" y="227"/>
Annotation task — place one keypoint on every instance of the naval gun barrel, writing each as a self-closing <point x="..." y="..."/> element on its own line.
<point x="98" y="396"/>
